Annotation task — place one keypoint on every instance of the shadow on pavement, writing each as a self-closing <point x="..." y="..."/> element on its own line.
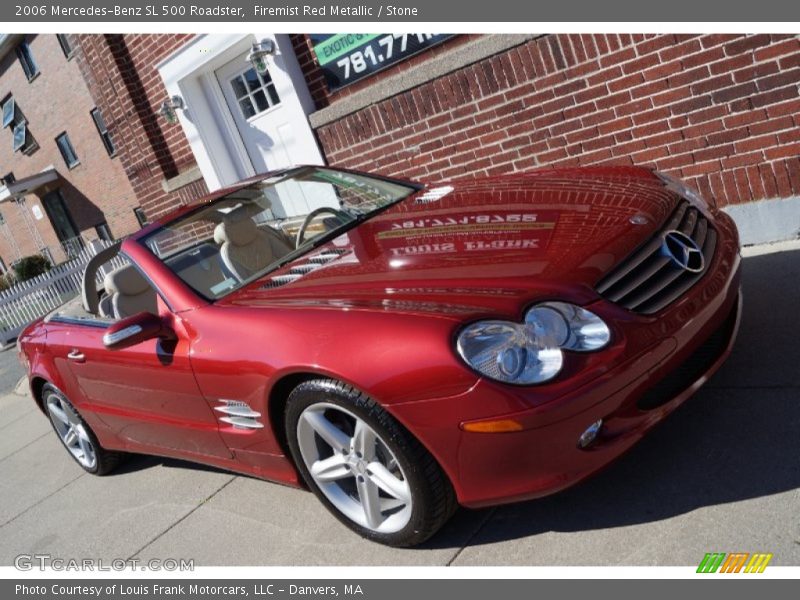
<point x="140" y="462"/>
<point x="737" y="438"/>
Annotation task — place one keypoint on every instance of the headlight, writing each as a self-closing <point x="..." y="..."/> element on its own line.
<point x="532" y="351"/>
<point x="684" y="191"/>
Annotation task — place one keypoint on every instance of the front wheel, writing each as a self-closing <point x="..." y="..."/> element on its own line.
<point x="370" y="472"/>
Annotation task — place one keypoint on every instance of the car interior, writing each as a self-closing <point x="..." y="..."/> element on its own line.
<point x="224" y="244"/>
<point x="126" y="292"/>
<point x="217" y="249"/>
<point x="211" y="254"/>
<point x="245" y="248"/>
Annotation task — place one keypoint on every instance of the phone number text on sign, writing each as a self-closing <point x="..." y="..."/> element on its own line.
<point x="348" y="57"/>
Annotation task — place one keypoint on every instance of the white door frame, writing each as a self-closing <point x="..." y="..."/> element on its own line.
<point x="209" y="127"/>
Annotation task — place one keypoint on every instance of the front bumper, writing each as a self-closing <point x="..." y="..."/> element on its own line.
<point x="660" y="363"/>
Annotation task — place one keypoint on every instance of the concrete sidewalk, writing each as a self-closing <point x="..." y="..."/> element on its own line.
<point x="722" y="474"/>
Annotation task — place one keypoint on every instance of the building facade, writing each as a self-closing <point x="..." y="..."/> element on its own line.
<point x="62" y="183"/>
<point x="120" y="71"/>
<point x="721" y="111"/>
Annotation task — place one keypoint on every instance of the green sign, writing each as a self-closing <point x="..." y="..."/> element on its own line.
<point x="348" y="57"/>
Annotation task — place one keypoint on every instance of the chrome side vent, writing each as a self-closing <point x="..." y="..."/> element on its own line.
<point x="288" y="278"/>
<point x="323" y="258"/>
<point x="303" y="269"/>
<point x="239" y="414"/>
<point x="434" y="194"/>
<point x="279" y="280"/>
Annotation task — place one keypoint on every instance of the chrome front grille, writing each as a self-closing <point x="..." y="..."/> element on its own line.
<point x="650" y="279"/>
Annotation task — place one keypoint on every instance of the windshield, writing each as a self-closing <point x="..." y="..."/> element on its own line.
<point x="243" y="235"/>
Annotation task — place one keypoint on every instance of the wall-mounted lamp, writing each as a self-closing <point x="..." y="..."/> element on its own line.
<point x="259" y="53"/>
<point x="168" y="108"/>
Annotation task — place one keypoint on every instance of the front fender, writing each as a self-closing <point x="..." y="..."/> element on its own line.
<point x="395" y="358"/>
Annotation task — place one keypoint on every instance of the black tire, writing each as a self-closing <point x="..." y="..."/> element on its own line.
<point x="105" y="460"/>
<point x="433" y="501"/>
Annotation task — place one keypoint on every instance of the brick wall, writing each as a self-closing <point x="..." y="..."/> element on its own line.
<point x="96" y="190"/>
<point x="722" y="111"/>
<point x="122" y="76"/>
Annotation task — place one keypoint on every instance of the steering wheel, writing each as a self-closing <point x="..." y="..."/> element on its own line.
<point x="301" y="233"/>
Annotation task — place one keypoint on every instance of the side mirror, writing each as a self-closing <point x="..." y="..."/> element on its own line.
<point x="135" y="330"/>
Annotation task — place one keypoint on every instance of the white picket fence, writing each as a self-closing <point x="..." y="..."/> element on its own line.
<point x="28" y="300"/>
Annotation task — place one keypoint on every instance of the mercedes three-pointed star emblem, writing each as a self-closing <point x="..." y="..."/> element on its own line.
<point x="683" y="251"/>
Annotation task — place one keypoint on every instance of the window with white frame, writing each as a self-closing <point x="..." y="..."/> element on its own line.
<point x="254" y="92"/>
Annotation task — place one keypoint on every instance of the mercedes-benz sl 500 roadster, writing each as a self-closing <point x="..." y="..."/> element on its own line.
<point x="399" y="349"/>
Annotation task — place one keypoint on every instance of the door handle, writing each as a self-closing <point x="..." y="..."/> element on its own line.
<point x="76" y="355"/>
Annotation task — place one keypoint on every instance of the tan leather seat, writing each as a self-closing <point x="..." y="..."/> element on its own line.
<point x="245" y="248"/>
<point x="130" y="292"/>
<point x="105" y="308"/>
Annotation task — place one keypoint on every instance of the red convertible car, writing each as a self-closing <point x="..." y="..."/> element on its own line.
<point x="400" y="349"/>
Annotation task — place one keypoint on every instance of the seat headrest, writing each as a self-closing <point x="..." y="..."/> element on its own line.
<point x="236" y="228"/>
<point x="126" y="281"/>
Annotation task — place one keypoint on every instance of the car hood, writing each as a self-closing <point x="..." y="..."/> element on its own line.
<point x="472" y="247"/>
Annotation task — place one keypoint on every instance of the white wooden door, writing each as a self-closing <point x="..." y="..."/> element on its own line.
<point x="273" y="127"/>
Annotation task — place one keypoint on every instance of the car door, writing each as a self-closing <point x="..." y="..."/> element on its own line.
<point x="147" y="393"/>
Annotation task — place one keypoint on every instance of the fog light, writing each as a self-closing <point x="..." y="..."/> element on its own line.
<point x="590" y="435"/>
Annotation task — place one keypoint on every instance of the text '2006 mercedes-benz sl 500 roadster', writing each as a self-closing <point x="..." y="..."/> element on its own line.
<point x="399" y="349"/>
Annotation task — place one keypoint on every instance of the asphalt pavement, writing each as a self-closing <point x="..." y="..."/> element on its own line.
<point x="722" y="474"/>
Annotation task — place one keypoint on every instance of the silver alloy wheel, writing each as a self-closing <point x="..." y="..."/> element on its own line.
<point x="71" y="431"/>
<point x="354" y="468"/>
